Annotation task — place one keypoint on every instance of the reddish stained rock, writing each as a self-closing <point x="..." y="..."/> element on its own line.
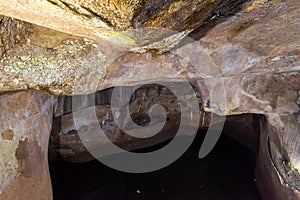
<point x="25" y="125"/>
<point x="7" y="134"/>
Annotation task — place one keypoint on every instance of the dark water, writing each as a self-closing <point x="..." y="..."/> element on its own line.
<point x="226" y="173"/>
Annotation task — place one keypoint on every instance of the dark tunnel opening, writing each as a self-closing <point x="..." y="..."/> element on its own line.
<point x="226" y="173"/>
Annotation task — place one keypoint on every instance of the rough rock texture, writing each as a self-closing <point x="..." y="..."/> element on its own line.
<point x="25" y="125"/>
<point x="66" y="144"/>
<point x="277" y="168"/>
<point x="256" y="53"/>
<point x="104" y="19"/>
<point x="11" y="32"/>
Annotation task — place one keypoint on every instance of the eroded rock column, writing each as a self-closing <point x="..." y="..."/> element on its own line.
<point x="25" y="125"/>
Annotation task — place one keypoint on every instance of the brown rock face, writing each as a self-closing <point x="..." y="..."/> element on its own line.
<point x="65" y="142"/>
<point x="26" y="121"/>
<point x="7" y="134"/>
<point x="11" y="32"/>
<point x="255" y="54"/>
<point x="277" y="176"/>
<point x="104" y="19"/>
<point x="67" y="145"/>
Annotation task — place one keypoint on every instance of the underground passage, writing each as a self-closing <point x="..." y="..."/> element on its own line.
<point x="228" y="172"/>
<point x="144" y="99"/>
